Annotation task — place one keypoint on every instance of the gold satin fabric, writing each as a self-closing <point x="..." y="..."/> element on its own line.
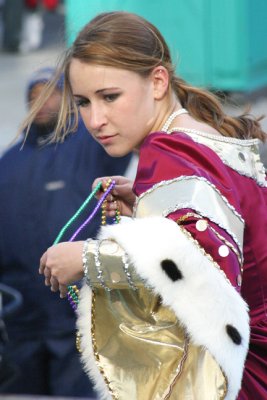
<point x="111" y="266"/>
<point x="143" y="351"/>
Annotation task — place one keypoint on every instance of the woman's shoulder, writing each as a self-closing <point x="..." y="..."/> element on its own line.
<point x="205" y="152"/>
<point x="168" y="156"/>
<point x="178" y="143"/>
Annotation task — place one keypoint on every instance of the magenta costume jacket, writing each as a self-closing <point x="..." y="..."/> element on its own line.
<point x="194" y="257"/>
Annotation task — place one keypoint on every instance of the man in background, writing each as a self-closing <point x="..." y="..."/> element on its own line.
<point x="41" y="187"/>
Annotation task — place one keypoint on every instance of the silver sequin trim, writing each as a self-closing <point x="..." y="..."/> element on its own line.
<point x="86" y="261"/>
<point x="215" y="264"/>
<point x="239" y="255"/>
<point x="186" y="177"/>
<point x="257" y="172"/>
<point x="125" y="261"/>
<point x="177" y="206"/>
<point x="180" y="206"/>
<point x="98" y="267"/>
<point x="222" y="238"/>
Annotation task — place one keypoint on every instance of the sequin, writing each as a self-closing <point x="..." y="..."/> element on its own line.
<point x="109" y="247"/>
<point x="223" y="251"/>
<point x="201" y="225"/>
<point x="115" y="277"/>
<point x="241" y="156"/>
<point x="239" y="280"/>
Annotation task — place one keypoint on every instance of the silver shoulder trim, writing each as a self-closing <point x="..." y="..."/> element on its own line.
<point x="239" y="154"/>
<point x="196" y="193"/>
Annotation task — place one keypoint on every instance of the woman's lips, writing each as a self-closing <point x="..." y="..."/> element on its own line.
<point x="106" y="139"/>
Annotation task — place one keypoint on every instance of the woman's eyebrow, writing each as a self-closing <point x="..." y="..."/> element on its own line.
<point x="108" y="88"/>
<point x="98" y="91"/>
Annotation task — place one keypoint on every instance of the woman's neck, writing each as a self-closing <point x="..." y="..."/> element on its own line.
<point x="166" y="108"/>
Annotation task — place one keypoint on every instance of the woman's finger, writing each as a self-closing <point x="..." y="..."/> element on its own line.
<point x="54" y="284"/>
<point x="43" y="260"/>
<point x="63" y="289"/>
<point x="47" y="274"/>
<point x="110" y="198"/>
<point x="119" y="180"/>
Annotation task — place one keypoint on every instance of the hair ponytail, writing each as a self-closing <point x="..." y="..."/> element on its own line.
<point x="206" y="107"/>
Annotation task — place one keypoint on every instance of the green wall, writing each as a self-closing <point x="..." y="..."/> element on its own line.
<point x="220" y="44"/>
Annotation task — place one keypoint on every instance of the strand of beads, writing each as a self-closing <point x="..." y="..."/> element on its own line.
<point x="78" y="212"/>
<point x="117" y="216"/>
<point x="73" y="291"/>
<point x="73" y="296"/>
<point x="172" y="117"/>
<point x="104" y="205"/>
<point x="94" y="212"/>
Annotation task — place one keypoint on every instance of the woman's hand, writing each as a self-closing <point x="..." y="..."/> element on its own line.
<point x="121" y="197"/>
<point x="62" y="265"/>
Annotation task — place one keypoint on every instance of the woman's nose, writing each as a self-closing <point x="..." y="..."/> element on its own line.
<point x="96" y="119"/>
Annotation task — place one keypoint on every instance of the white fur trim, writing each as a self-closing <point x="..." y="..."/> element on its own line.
<point x="203" y="300"/>
<point x="87" y="355"/>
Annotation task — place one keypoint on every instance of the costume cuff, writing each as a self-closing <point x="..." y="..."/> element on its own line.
<point x="190" y="283"/>
<point x="107" y="265"/>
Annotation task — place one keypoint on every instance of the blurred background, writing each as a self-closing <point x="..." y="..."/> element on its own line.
<point x="20" y="56"/>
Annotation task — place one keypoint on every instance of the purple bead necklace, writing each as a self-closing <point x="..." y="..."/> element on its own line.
<point x="73" y="291"/>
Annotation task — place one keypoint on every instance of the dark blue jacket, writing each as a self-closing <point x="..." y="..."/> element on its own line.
<point x="41" y="187"/>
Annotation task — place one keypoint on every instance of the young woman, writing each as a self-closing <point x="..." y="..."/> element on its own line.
<point x="163" y="312"/>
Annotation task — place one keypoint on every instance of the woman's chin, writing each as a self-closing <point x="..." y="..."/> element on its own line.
<point x="115" y="152"/>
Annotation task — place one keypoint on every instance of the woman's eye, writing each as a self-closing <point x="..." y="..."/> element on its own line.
<point x="82" y="102"/>
<point x="111" y="97"/>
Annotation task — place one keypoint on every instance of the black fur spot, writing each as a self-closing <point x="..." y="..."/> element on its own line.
<point x="171" y="270"/>
<point x="234" y="334"/>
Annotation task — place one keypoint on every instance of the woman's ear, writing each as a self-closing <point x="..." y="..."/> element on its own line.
<point x="160" y="77"/>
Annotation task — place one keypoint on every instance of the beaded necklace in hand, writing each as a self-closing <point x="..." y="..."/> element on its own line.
<point x="73" y="291"/>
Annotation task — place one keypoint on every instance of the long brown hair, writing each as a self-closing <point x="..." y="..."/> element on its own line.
<point x="128" y="41"/>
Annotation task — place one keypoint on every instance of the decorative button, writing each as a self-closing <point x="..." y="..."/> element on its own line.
<point x="239" y="280"/>
<point x="115" y="277"/>
<point x="241" y="156"/>
<point x="223" y="250"/>
<point x="201" y="225"/>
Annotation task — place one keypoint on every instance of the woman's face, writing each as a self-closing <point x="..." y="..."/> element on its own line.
<point x="117" y="106"/>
